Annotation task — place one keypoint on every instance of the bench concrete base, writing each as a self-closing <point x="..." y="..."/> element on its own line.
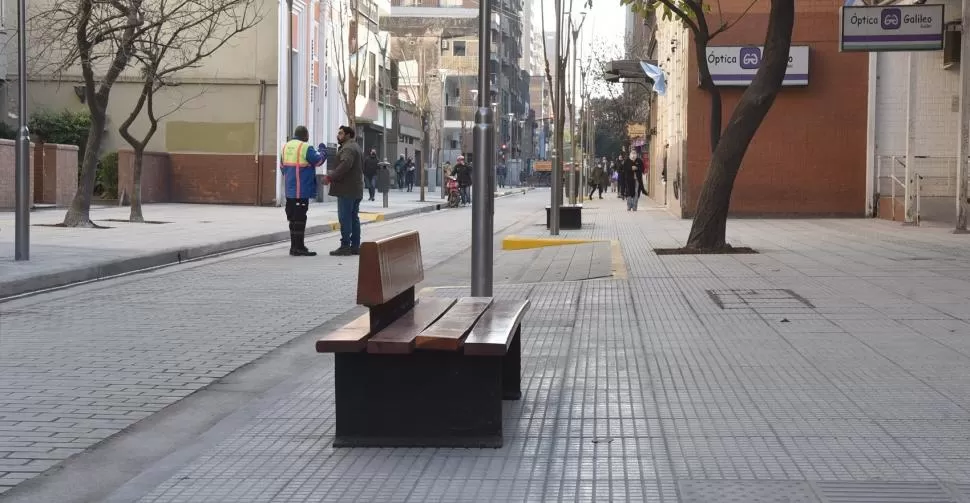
<point x="424" y="399"/>
<point x="570" y="217"/>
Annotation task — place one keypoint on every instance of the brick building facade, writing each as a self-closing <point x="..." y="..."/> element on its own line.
<point x="809" y="156"/>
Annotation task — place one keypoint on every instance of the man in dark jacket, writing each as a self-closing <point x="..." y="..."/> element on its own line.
<point x="346" y="184"/>
<point x="298" y="162"/>
<point x="370" y="173"/>
<point x="399" y="168"/>
<point x="621" y="175"/>
<point x="463" y="172"/>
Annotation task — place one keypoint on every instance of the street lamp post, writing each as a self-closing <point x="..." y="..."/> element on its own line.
<point x="573" y="189"/>
<point x="22" y="156"/>
<point x="483" y="199"/>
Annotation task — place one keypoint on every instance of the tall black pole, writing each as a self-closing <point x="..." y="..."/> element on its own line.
<point x="483" y="191"/>
<point x="22" y="156"/>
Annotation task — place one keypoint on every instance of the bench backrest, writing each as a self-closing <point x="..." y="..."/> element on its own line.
<point x="388" y="267"/>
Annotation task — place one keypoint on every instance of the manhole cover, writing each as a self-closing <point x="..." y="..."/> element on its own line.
<point x="746" y="298"/>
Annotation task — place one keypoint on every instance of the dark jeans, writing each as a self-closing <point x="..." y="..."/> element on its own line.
<point x="594" y="189"/>
<point x="464" y="194"/>
<point x="409" y="180"/>
<point x="348" y="214"/>
<point x="371" y="183"/>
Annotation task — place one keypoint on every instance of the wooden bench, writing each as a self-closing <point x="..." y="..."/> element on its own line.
<point x="426" y="371"/>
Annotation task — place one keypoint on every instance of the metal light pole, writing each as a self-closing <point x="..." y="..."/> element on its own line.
<point x="573" y="189"/>
<point x="22" y="158"/>
<point x="483" y="199"/>
<point x="555" y="183"/>
<point x="441" y="130"/>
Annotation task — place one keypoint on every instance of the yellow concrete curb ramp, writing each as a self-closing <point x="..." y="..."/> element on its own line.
<point x="525" y="243"/>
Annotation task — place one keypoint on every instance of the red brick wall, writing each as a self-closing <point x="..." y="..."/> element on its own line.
<point x="54" y="171"/>
<point x="808" y="157"/>
<point x="201" y="178"/>
<point x="222" y="178"/>
<point x="156" y="176"/>
<point x="8" y="174"/>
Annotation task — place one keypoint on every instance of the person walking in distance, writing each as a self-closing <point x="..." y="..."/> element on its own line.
<point x="346" y="184"/>
<point x="370" y="174"/>
<point x="409" y="170"/>
<point x="298" y="162"/>
<point x="633" y="179"/>
<point x="596" y="181"/>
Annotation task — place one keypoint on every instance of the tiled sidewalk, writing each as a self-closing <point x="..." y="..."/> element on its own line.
<point x="832" y="367"/>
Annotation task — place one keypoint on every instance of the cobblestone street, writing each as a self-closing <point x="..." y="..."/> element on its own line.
<point x="830" y="367"/>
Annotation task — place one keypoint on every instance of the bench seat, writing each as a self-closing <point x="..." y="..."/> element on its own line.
<point x="421" y="372"/>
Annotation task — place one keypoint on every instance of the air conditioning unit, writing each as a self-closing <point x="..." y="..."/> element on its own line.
<point x="445" y="45"/>
<point x="952" y="36"/>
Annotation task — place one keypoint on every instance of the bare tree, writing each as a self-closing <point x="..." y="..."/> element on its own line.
<point x="413" y="69"/>
<point x="709" y="228"/>
<point x="350" y="53"/>
<point x="617" y="105"/>
<point x="181" y="36"/>
<point x="98" y="36"/>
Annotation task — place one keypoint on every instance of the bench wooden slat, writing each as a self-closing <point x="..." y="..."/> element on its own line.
<point x="351" y="337"/>
<point x="388" y="267"/>
<point x="493" y="332"/>
<point x="399" y="336"/>
<point x="446" y="333"/>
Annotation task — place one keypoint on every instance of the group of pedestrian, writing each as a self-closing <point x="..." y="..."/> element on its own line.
<point x="630" y="175"/>
<point x="298" y="163"/>
<point x="625" y="176"/>
<point x="404" y="169"/>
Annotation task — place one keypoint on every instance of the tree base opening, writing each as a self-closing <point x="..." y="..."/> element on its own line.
<point x="724" y="250"/>
<point x="88" y="225"/>
<point x="127" y="221"/>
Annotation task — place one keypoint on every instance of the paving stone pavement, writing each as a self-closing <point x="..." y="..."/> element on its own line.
<point x="61" y="256"/>
<point x="831" y="367"/>
<point x="82" y="364"/>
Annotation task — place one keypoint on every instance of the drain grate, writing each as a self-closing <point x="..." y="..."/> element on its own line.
<point x="746" y="298"/>
<point x="881" y="492"/>
<point x="746" y="491"/>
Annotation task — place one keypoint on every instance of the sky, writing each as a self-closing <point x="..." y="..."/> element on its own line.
<point x="604" y="26"/>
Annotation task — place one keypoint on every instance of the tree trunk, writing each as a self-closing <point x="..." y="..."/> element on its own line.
<point x="709" y="228"/>
<point x="79" y="213"/>
<point x="136" y="215"/>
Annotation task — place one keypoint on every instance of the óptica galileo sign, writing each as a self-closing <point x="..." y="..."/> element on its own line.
<point x="737" y="65"/>
<point x="892" y="28"/>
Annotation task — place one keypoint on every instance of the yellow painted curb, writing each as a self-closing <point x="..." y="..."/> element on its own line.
<point x="371" y="217"/>
<point x="525" y="243"/>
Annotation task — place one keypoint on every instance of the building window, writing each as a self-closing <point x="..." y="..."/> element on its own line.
<point x="454" y="144"/>
<point x="458" y="48"/>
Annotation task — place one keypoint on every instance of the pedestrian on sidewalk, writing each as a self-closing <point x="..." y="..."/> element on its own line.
<point x="370" y="173"/>
<point x="298" y="162"/>
<point x="621" y="175"/>
<point x="596" y="181"/>
<point x="409" y="175"/>
<point x="399" y="168"/>
<point x="347" y="186"/>
<point x="634" y="181"/>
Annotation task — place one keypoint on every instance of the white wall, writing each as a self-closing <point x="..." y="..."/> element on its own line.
<point x="936" y="116"/>
<point x="672" y="54"/>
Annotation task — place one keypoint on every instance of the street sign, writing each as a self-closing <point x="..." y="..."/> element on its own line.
<point x="737" y="65"/>
<point x="892" y="28"/>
